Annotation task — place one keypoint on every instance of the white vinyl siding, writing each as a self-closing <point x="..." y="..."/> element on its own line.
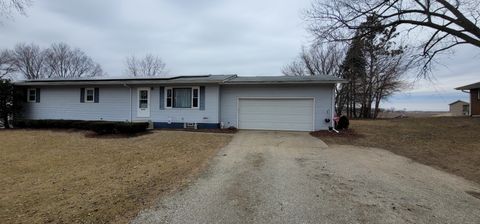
<point x="276" y="114"/>
<point x="62" y="102"/>
<point x="322" y="93"/>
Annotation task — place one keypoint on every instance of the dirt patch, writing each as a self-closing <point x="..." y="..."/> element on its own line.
<point x="447" y="143"/>
<point x="474" y="194"/>
<point x="257" y="160"/>
<point x="350" y="133"/>
<point x="65" y="177"/>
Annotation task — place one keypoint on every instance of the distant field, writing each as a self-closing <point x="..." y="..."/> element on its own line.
<point x="451" y="144"/>
<point x="413" y="114"/>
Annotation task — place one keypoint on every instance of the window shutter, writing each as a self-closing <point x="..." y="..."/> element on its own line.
<point x="96" y="95"/>
<point x="82" y="95"/>
<point x="25" y="94"/>
<point x="37" y="95"/>
<point x="162" y="98"/>
<point x="202" y="97"/>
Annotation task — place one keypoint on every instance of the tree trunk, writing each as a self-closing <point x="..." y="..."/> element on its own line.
<point x="378" y="98"/>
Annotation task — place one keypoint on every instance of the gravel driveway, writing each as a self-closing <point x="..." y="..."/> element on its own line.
<point x="284" y="177"/>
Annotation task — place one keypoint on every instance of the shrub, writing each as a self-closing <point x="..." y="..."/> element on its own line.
<point x="131" y="128"/>
<point x="103" y="127"/>
<point x="99" y="127"/>
<point x="343" y="123"/>
<point x="83" y="125"/>
<point x="20" y="124"/>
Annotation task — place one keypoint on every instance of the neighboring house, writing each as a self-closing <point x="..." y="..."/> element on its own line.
<point x="459" y="108"/>
<point x="210" y="101"/>
<point x="474" y="91"/>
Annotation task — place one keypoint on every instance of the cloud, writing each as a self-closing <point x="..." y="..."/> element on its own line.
<point x="198" y="37"/>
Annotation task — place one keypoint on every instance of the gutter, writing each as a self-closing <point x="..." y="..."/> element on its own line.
<point x="105" y="83"/>
<point x="282" y="82"/>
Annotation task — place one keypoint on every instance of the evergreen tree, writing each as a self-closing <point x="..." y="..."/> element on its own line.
<point x="9" y="101"/>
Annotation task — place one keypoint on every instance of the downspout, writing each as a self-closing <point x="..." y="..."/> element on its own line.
<point x="131" y="118"/>
<point x="333" y="109"/>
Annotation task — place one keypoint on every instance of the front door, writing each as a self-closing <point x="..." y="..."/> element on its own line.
<point x="143" y="102"/>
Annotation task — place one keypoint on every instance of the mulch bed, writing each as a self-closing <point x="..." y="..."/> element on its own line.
<point x="349" y="133"/>
<point x="217" y="130"/>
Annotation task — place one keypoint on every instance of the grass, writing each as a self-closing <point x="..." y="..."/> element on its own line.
<point x="65" y="177"/>
<point x="451" y="144"/>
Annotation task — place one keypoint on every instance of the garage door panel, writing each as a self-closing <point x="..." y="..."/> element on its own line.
<point x="277" y="118"/>
<point x="277" y="110"/>
<point x="276" y="114"/>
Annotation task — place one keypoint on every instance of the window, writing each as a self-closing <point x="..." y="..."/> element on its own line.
<point x="89" y="95"/>
<point x="478" y="94"/>
<point x="143" y="100"/>
<point x="32" y="95"/>
<point x="195" y="98"/>
<point x="182" y="97"/>
<point x="169" y="98"/>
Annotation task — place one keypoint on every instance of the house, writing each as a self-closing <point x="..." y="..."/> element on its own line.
<point x="209" y="101"/>
<point x="474" y="91"/>
<point x="459" y="108"/>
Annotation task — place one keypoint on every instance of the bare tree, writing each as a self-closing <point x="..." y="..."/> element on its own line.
<point x="321" y="59"/>
<point x="317" y="60"/>
<point x="445" y="24"/>
<point x="61" y="61"/>
<point x="7" y="65"/>
<point x="148" y="66"/>
<point x="9" y="7"/>
<point x="388" y="79"/>
<point x="29" y="60"/>
<point x="373" y="64"/>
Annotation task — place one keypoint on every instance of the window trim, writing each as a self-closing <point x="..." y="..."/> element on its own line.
<point x="139" y="98"/>
<point x="198" y="97"/>
<point x="171" y="88"/>
<point x="86" y="95"/>
<point x="28" y="95"/>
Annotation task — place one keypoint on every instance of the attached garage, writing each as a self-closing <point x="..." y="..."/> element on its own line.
<point x="290" y="114"/>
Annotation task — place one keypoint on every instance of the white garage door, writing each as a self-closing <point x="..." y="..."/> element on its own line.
<point x="276" y="114"/>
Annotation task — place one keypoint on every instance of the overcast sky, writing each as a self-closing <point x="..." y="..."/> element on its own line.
<point x="195" y="37"/>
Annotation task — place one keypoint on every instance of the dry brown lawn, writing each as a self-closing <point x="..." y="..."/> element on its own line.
<point x="65" y="177"/>
<point x="451" y="144"/>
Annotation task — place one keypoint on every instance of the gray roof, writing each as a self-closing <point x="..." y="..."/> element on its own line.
<point x="468" y="87"/>
<point x="285" y="79"/>
<point x="458" y="101"/>
<point x="199" y="79"/>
